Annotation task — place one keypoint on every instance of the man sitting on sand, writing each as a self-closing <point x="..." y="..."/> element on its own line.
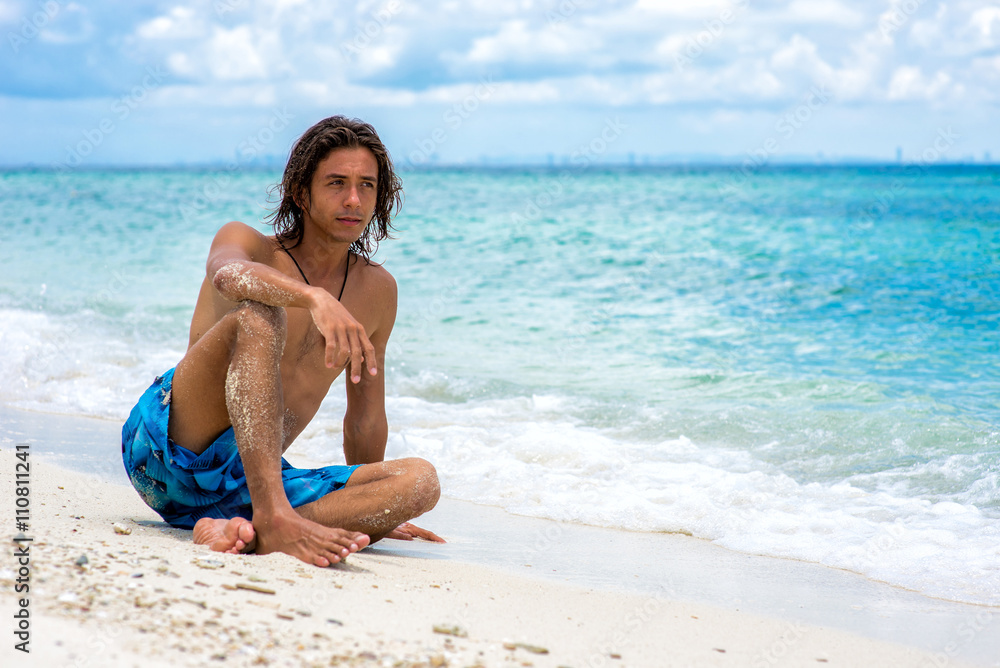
<point x="277" y="319"/>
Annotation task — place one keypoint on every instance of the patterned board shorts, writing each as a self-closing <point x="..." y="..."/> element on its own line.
<point x="184" y="487"/>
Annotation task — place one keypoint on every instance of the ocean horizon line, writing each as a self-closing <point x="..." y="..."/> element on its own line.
<point x="708" y="164"/>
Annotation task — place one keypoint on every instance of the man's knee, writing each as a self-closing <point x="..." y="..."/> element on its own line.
<point x="426" y="486"/>
<point x="260" y="321"/>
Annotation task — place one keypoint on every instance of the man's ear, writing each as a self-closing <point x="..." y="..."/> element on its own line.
<point x="301" y="199"/>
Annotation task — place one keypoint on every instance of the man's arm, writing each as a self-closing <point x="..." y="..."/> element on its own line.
<point x="365" y="426"/>
<point x="235" y="269"/>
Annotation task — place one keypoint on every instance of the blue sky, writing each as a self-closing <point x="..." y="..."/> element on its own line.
<point x="487" y="80"/>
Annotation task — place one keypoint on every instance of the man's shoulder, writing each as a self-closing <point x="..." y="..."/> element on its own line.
<point x="375" y="277"/>
<point x="238" y="228"/>
<point x="237" y="233"/>
<point x="378" y="288"/>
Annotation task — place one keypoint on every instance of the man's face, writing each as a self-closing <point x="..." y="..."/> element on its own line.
<point x="342" y="194"/>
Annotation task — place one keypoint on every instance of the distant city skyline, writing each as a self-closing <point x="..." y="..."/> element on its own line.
<point x="167" y="83"/>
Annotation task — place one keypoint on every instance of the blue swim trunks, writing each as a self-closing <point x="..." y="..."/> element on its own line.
<point x="184" y="487"/>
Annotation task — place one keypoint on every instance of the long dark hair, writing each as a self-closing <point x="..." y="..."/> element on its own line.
<point x="312" y="148"/>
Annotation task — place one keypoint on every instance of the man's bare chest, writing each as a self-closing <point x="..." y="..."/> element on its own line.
<point x="304" y="357"/>
<point x="305" y="348"/>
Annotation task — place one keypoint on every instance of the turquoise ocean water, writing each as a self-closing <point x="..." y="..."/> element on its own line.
<point x="798" y="362"/>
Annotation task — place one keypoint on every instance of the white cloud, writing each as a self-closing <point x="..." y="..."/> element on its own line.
<point x="909" y="83"/>
<point x="517" y="42"/>
<point x="959" y="32"/>
<point x="181" y="23"/>
<point x="824" y="12"/>
<point x="234" y="55"/>
<point x="671" y="48"/>
<point x="684" y="8"/>
<point x="289" y="4"/>
<point x="986" y="22"/>
<point x="379" y="59"/>
<point x="242" y="53"/>
<point x="614" y="54"/>
<point x="226" y="96"/>
<point x="544" y="52"/>
<point x="622" y="52"/>
<point x="930" y="33"/>
<point x="800" y="55"/>
<point x="527" y="92"/>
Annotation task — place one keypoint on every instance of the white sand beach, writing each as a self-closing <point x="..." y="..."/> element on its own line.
<point x="150" y="597"/>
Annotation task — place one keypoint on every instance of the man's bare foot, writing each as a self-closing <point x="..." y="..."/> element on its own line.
<point x="407" y="531"/>
<point x="304" y="539"/>
<point x="234" y="536"/>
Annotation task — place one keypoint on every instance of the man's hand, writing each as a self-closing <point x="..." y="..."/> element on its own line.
<point x="407" y="531"/>
<point x="346" y="340"/>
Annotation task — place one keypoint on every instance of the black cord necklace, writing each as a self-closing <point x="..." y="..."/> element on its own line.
<point x="346" y="269"/>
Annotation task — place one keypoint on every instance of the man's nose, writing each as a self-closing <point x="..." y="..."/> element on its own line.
<point x="352" y="197"/>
